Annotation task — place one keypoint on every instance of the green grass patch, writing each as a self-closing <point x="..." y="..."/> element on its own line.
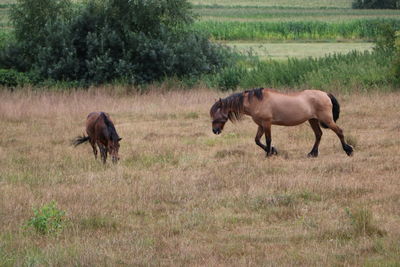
<point x="360" y="71"/>
<point x="280" y="14"/>
<point x="279" y="51"/>
<point x="276" y="3"/>
<point x="148" y="160"/>
<point x="366" y="29"/>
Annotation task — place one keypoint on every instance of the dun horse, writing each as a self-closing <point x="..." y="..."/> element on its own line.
<point x="101" y="131"/>
<point x="268" y="107"/>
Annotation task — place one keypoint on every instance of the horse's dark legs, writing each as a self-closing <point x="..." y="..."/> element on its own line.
<point x="271" y="150"/>
<point x="339" y="132"/>
<point x="260" y="133"/>
<point x="93" y="144"/>
<point x="103" y="153"/>
<point x="318" y="133"/>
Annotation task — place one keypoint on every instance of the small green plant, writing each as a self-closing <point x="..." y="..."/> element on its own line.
<point x="362" y="223"/>
<point x="48" y="219"/>
<point x="12" y="78"/>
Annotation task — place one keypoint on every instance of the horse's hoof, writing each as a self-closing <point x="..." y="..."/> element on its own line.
<point x="349" y="150"/>
<point x="312" y="155"/>
<point x="273" y="152"/>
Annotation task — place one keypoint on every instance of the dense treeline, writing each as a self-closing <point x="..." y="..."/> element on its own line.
<point x="102" y="41"/>
<point x="376" y="4"/>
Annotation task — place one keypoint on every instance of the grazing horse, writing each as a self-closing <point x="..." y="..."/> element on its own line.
<point x="101" y="131"/>
<point x="268" y="107"/>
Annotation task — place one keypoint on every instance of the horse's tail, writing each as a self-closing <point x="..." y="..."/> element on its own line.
<point x="80" y="140"/>
<point x="335" y="110"/>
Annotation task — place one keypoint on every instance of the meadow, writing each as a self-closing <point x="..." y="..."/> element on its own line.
<point x="183" y="196"/>
<point x="281" y="51"/>
<point x="274" y="3"/>
<point x="290" y="20"/>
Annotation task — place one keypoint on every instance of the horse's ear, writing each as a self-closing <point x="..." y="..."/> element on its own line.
<point x="119" y="139"/>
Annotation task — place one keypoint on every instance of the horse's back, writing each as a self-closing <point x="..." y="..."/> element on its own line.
<point x="93" y="124"/>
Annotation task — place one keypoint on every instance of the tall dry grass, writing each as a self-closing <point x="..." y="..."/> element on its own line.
<point x="182" y="196"/>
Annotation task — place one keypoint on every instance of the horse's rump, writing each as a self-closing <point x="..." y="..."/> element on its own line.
<point x="335" y="110"/>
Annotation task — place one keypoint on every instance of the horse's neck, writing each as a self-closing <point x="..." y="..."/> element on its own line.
<point x="247" y="108"/>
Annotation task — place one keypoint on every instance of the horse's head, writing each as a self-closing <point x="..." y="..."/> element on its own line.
<point x="219" y="117"/>
<point x="113" y="147"/>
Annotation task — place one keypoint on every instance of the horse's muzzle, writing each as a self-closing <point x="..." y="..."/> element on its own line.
<point x="216" y="130"/>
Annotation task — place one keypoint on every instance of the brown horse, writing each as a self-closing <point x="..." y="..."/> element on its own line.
<point x="101" y="131"/>
<point x="268" y="107"/>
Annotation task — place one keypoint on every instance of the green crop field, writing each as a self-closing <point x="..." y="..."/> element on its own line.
<point x="272" y="14"/>
<point x="300" y="30"/>
<point x="290" y="20"/>
<point x="299" y="50"/>
<point x="277" y="3"/>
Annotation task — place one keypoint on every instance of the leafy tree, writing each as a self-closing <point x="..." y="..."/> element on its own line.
<point x="376" y="4"/>
<point x="100" y="41"/>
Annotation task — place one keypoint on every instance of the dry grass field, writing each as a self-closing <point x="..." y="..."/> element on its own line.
<point x="181" y="196"/>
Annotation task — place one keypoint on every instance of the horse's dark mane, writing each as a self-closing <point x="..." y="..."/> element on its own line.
<point x="110" y="127"/>
<point x="234" y="103"/>
<point x="257" y="92"/>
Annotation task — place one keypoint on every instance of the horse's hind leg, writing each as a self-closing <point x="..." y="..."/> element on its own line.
<point x="318" y="134"/>
<point x="339" y="132"/>
<point x="93" y="144"/>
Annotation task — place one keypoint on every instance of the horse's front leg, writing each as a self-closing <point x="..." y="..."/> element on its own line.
<point x="103" y="153"/>
<point x="259" y="134"/>
<point x="270" y="150"/>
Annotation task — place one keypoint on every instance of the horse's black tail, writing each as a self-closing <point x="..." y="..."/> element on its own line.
<point x="335" y="110"/>
<point x="80" y="140"/>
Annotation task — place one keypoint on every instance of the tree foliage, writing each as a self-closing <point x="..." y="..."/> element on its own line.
<point x="376" y="4"/>
<point x="100" y="41"/>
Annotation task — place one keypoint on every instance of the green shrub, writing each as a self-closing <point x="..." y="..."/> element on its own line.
<point x="374" y="4"/>
<point x="12" y="78"/>
<point x="355" y="70"/>
<point x="396" y="61"/>
<point x="48" y="219"/>
<point x="386" y="39"/>
<point x="102" y="41"/>
<point x="230" y="78"/>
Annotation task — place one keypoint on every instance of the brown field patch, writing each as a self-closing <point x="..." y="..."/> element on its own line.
<point x="183" y="196"/>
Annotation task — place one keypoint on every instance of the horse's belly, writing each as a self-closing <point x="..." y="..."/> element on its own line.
<point x="291" y="118"/>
